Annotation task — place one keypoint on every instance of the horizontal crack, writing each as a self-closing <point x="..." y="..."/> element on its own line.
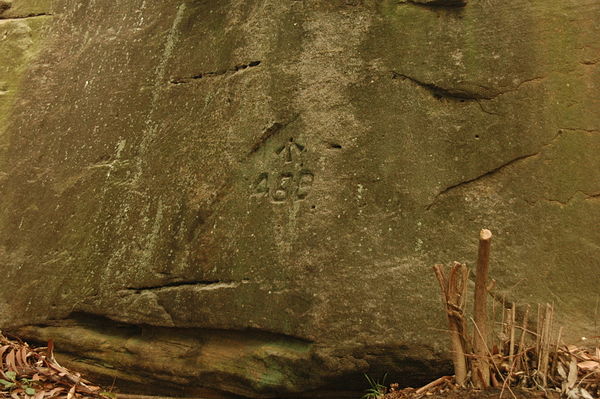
<point x="579" y="129"/>
<point x="203" y="75"/>
<point x="586" y="197"/>
<point x="202" y="284"/>
<point x="442" y="92"/>
<point x="436" y="3"/>
<point x="14" y="17"/>
<point x="459" y="94"/>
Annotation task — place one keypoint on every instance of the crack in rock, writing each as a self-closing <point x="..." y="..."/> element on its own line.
<point x="203" y="285"/>
<point x="229" y="71"/>
<point x="580" y="129"/>
<point x="481" y="176"/>
<point x="587" y="197"/>
<point x="495" y="170"/>
<point x="436" y="3"/>
<point x="443" y="92"/>
<point x="460" y="94"/>
<point x="16" y="17"/>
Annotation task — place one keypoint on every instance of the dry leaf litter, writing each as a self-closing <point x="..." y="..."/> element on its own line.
<point x="34" y="373"/>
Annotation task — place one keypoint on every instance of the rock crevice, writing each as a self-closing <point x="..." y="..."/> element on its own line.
<point x="212" y="74"/>
<point x="198" y="284"/>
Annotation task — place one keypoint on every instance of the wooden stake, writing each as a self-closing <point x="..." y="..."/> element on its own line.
<point x="481" y="363"/>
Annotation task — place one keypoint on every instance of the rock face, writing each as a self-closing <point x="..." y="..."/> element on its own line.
<point x="246" y="197"/>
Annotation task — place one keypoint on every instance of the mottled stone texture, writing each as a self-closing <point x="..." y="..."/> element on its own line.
<point x="245" y="197"/>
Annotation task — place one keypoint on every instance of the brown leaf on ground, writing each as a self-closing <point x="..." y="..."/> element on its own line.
<point x="34" y="373"/>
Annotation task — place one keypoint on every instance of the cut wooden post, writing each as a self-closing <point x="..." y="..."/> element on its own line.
<point x="481" y="363"/>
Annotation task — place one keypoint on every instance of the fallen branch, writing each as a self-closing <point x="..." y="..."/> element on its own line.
<point x="432" y="384"/>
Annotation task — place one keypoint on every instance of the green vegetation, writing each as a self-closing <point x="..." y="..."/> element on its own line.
<point x="376" y="389"/>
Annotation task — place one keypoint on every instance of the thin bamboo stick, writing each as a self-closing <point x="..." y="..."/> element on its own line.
<point x="523" y="356"/>
<point x="543" y="355"/>
<point x="511" y="349"/>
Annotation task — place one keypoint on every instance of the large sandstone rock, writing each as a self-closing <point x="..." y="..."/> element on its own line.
<point x="246" y="197"/>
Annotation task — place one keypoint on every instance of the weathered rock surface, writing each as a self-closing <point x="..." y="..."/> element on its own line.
<point x="246" y="197"/>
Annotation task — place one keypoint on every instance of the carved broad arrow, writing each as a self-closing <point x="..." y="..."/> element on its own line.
<point x="287" y="150"/>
